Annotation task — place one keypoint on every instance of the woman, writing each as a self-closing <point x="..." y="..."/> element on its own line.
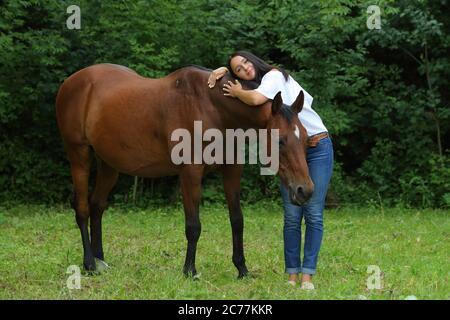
<point x="268" y="81"/>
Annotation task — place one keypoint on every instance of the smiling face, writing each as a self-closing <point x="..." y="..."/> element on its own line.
<point x="243" y="68"/>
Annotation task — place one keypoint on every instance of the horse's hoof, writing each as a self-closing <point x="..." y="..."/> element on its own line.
<point x="196" y="277"/>
<point x="90" y="267"/>
<point x="101" y="265"/>
<point x="243" y="274"/>
<point x="191" y="274"/>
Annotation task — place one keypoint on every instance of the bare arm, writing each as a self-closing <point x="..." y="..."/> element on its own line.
<point x="250" y="97"/>
<point x="216" y="75"/>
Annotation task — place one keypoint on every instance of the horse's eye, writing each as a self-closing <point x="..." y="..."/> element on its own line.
<point x="282" y="142"/>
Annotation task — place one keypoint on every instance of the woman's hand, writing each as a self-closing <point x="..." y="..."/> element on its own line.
<point x="216" y="75"/>
<point x="232" y="89"/>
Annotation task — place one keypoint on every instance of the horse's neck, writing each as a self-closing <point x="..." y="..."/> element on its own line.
<point x="253" y="116"/>
<point x="241" y="115"/>
<point x="233" y="112"/>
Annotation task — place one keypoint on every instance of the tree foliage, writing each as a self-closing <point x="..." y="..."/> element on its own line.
<point x="382" y="93"/>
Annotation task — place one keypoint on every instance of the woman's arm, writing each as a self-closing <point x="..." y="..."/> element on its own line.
<point x="250" y="97"/>
<point x="216" y="75"/>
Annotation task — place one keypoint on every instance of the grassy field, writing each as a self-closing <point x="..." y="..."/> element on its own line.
<point x="146" y="248"/>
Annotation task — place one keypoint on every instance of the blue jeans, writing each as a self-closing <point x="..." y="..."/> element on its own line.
<point x="320" y="165"/>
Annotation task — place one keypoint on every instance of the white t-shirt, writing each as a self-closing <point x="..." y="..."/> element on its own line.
<point x="274" y="81"/>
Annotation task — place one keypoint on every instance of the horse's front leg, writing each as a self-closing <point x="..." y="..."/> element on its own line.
<point x="191" y="179"/>
<point x="232" y="185"/>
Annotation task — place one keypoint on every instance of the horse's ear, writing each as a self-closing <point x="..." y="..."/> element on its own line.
<point x="297" y="106"/>
<point x="277" y="102"/>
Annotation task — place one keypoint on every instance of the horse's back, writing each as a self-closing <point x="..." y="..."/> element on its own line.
<point x="76" y="93"/>
<point x="117" y="112"/>
<point x="127" y="118"/>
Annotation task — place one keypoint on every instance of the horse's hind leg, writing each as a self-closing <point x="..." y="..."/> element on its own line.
<point x="105" y="181"/>
<point x="191" y="179"/>
<point x="80" y="165"/>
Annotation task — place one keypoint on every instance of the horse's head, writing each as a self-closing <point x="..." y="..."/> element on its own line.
<point x="293" y="169"/>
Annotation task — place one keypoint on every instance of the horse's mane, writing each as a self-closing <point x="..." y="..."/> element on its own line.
<point x="187" y="78"/>
<point x="195" y="66"/>
<point x="246" y="84"/>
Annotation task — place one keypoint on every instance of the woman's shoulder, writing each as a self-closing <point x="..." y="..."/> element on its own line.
<point x="275" y="71"/>
<point x="274" y="74"/>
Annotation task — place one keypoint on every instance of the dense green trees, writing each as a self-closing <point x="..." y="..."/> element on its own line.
<point x="383" y="93"/>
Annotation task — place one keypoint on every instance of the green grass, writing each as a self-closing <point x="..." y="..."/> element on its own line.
<point x="146" y="251"/>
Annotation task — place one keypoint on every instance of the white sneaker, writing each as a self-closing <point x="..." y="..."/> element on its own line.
<point x="292" y="283"/>
<point x="306" y="285"/>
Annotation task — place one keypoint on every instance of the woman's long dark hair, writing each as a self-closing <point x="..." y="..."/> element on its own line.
<point x="261" y="68"/>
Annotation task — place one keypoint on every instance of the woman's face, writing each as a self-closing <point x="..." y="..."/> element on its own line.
<point x="243" y="68"/>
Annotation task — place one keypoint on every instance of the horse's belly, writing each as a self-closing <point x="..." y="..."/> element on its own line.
<point x="136" y="163"/>
<point x="139" y="157"/>
<point x="155" y="171"/>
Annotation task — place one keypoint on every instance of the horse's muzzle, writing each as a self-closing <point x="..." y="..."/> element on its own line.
<point x="300" y="194"/>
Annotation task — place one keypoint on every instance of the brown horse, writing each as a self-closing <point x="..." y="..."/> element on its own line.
<point x="128" y="120"/>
